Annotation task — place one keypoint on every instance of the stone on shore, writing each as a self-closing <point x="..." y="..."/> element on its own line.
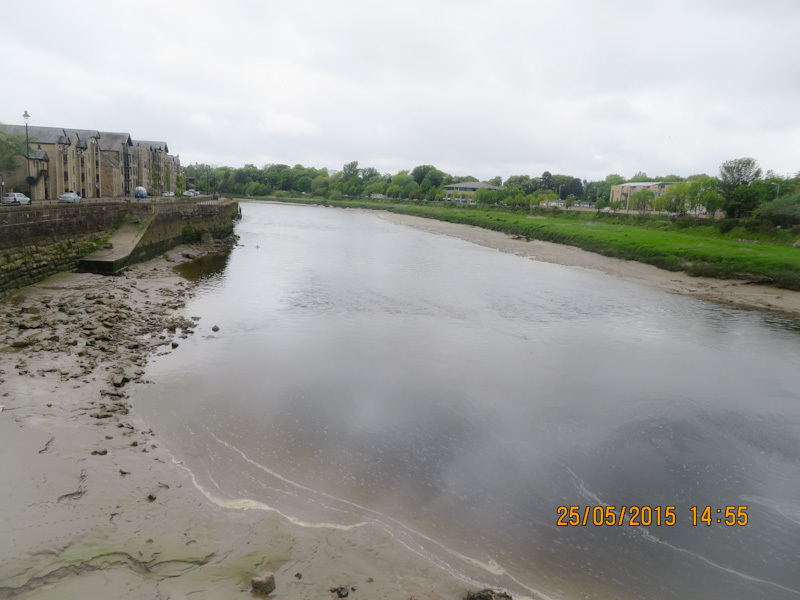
<point x="264" y="584"/>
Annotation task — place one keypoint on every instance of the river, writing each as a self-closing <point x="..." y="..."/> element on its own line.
<point x="458" y="396"/>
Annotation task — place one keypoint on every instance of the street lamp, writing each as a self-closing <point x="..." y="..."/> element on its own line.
<point x="26" y="116"/>
<point x="778" y="189"/>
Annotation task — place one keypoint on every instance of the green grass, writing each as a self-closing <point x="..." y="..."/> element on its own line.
<point x="693" y="246"/>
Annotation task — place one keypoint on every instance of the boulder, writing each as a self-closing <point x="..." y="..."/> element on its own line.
<point x="264" y="584"/>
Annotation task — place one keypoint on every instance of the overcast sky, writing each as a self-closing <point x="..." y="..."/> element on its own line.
<point x="577" y="87"/>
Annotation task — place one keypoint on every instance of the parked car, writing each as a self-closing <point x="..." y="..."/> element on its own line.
<point x="16" y="198"/>
<point x="168" y="194"/>
<point x="71" y="197"/>
<point x="191" y="193"/>
<point x="140" y="192"/>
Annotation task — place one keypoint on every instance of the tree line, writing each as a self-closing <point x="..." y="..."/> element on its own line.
<point x="740" y="189"/>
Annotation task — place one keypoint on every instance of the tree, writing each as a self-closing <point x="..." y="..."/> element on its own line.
<point x="350" y="169"/>
<point x="744" y="199"/>
<point x="523" y="182"/>
<point x="430" y="172"/>
<point x="369" y="173"/>
<point x="319" y="186"/>
<point x="641" y="200"/>
<point x="377" y="188"/>
<point x="546" y="181"/>
<point x="701" y="193"/>
<point x="574" y="188"/>
<point x="783" y="211"/>
<point x="12" y="150"/>
<point x="737" y="172"/>
<point x="495" y="181"/>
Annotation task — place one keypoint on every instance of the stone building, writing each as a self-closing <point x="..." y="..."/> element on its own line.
<point x="91" y="163"/>
<point x="87" y="166"/>
<point x="53" y="163"/>
<point x="118" y="166"/>
<point x="152" y="163"/>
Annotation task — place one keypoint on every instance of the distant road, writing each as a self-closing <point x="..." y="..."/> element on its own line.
<point x="151" y="199"/>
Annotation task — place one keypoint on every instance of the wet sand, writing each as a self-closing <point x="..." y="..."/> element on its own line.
<point x="92" y="504"/>
<point x="728" y="291"/>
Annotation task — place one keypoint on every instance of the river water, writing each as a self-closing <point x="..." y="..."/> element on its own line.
<point x="458" y="396"/>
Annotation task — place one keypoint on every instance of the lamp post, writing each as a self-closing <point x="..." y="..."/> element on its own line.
<point x="26" y="116"/>
<point x="777" y="189"/>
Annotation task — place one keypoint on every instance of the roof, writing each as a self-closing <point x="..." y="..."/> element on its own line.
<point x="645" y="183"/>
<point x="115" y="141"/>
<point x="151" y="145"/>
<point x="83" y="134"/>
<point x="43" y="135"/>
<point x="470" y="185"/>
<point x="37" y="154"/>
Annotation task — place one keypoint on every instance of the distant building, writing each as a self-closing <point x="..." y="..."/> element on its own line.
<point x="117" y="165"/>
<point x="91" y="163"/>
<point x="87" y="163"/>
<point x="152" y="162"/>
<point x="623" y="192"/>
<point x="464" y="191"/>
<point x="53" y="163"/>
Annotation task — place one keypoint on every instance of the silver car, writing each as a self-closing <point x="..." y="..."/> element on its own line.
<point x="69" y="197"/>
<point x="16" y="198"/>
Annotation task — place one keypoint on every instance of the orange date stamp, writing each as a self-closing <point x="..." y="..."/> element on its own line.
<point x="645" y="516"/>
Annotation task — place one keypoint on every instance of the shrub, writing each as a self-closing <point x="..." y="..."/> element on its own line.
<point x="783" y="211"/>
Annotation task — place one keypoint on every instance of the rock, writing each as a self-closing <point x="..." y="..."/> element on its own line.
<point x="174" y="345"/>
<point x="119" y="380"/>
<point x="487" y="594"/>
<point x="264" y="584"/>
<point x="151" y="497"/>
<point x="102" y="452"/>
<point x="341" y="591"/>
<point x="215" y="329"/>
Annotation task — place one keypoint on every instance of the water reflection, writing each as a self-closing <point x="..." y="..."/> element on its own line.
<point x="365" y="369"/>
<point x="206" y="267"/>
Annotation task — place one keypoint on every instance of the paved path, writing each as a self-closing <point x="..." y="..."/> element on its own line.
<point x="122" y="242"/>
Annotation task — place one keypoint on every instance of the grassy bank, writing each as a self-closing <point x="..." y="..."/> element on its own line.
<point x="697" y="247"/>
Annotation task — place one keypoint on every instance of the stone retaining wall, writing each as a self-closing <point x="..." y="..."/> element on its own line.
<point x="184" y="223"/>
<point x="39" y="241"/>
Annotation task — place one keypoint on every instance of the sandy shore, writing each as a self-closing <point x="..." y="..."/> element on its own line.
<point x="737" y="293"/>
<point x="92" y="504"/>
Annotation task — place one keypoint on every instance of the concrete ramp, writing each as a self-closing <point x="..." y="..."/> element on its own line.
<point x="116" y="257"/>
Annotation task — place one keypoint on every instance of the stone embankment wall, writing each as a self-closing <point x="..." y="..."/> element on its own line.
<point x="39" y="241"/>
<point x="184" y="223"/>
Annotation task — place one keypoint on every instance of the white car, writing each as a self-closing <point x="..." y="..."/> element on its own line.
<point x="71" y="197"/>
<point x="168" y="194"/>
<point x="16" y="198"/>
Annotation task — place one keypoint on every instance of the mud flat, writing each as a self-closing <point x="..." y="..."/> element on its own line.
<point x="92" y="504"/>
<point x="728" y="291"/>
